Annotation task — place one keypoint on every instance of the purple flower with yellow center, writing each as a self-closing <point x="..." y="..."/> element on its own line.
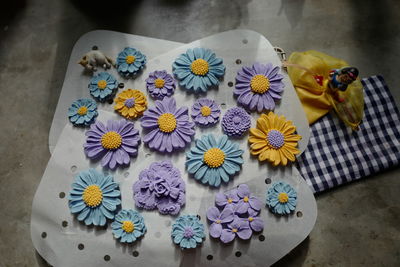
<point x="160" y="84"/>
<point x="237" y="227"/>
<point x="236" y="122"/>
<point x="218" y="218"/>
<point x="254" y="220"/>
<point x="205" y="112"/>
<point x="246" y="200"/>
<point x="227" y="200"/>
<point x="258" y="87"/>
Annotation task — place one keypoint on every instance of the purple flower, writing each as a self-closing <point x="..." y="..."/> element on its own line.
<point x="237" y="227"/>
<point x="160" y="84"/>
<point x="259" y="87"/>
<point x="205" y="112"/>
<point x="113" y="143"/>
<point x="168" y="128"/>
<point x="246" y="200"/>
<point x="227" y="200"/>
<point x="236" y="121"/>
<point x="254" y="221"/>
<point x="218" y="218"/>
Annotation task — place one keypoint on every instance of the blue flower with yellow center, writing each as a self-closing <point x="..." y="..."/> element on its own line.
<point x="187" y="231"/>
<point x="130" y="61"/>
<point x="82" y="112"/>
<point x="128" y="226"/>
<point x="103" y="86"/>
<point x="281" y="198"/>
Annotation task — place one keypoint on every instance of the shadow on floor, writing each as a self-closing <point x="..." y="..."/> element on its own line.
<point x="296" y="257"/>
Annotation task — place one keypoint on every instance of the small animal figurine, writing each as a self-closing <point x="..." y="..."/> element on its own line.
<point x="95" y="58"/>
<point x="339" y="79"/>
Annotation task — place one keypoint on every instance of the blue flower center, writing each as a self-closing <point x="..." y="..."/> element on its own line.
<point x="130" y="102"/>
<point x="188" y="233"/>
<point x="275" y="139"/>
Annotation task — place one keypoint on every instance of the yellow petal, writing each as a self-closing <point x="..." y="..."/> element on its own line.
<point x="124" y="111"/>
<point x="119" y="105"/>
<point x="288" y="129"/>
<point x="264" y="155"/>
<point x="261" y="125"/>
<point x="287" y="154"/>
<point x="283" y="157"/>
<point x="258" y="145"/>
<point x="291" y="149"/>
<point x="257" y="133"/>
<point x="292" y="138"/>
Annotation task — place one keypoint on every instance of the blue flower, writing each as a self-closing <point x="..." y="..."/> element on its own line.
<point x="94" y="197"/>
<point x="128" y="225"/>
<point x="130" y="61"/>
<point x="187" y="231"/>
<point x="103" y="86"/>
<point x="198" y="69"/>
<point x="82" y="111"/>
<point x="212" y="160"/>
<point x="281" y="198"/>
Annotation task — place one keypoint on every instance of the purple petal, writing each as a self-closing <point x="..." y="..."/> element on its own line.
<point x="244" y="233"/>
<point x="257" y="224"/>
<point x="226" y="215"/>
<point x="215" y="230"/>
<point x="213" y="214"/>
<point x="255" y="203"/>
<point x="227" y="236"/>
<point x="243" y="190"/>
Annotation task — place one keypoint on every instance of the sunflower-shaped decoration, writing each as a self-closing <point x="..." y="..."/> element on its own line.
<point x="130" y="103"/>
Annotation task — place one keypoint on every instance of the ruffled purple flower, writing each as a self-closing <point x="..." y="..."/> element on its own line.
<point x="205" y="112"/>
<point x="160" y="186"/>
<point x="218" y="218"/>
<point x="247" y="201"/>
<point x="227" y="200"/>
<point x="236" y="122"/>
<point x="160" y="84"/>
<point x="237" y="228"/>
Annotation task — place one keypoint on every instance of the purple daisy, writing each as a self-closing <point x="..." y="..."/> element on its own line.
<point x="168" y="128"/>
<point x="237" y="227"/>
<point x="218" y="218"/>
<point x="246" y="201"/>
<point x="113" y="143"/>
<point x="236" y="122"/>
<point x="227" y="200"/>
<point x="160" y="84"/>
<point x="205" y="112"/>
<point x="259" y="87"/>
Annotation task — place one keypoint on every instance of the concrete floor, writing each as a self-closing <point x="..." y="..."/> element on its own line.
<point x="358" y="224"/>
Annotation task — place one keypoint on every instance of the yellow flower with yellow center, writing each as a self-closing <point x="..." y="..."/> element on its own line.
<point x="82" y="110"/>
<point x="166" y="122"/>
<point x="259" y="84"/>
<point x="130" y="103"/>
<point x="199" y="67"/>
<point x="214" y="157"/>
<point x="92" y="196"/>
<point x="130" y="59"/>
<point x="283" y="197"/>
<point x="159" y="83"/>
<point x="111" y="140"/>
<point x="102" y="84"/>
<point x="128" y="226"/>
<point x="205" y="111"/>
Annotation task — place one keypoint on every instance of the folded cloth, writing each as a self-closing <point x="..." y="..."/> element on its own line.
<point x="336" y="155"/>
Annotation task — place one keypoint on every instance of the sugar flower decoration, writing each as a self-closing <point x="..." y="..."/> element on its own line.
<point x="205" y="112"/>
<point x="160" y="186"/>
<point x="281" y="198"/>
<point x="130" y="103"/>
<point x="198" y="69"/>
<point x="236" y="122"/>
<point x="94" y="197"/>
<point x="258" y="87"/>
<point x="212" y="160"/>
<point x="114" y="143"/>
<point x="82" y="112"/>
<point x="274" y="139"/>
<point x="187" y="231"/>
<point x="128" y="226"/>
<point x="160" y="84"/>
<point x="130" y="61"/>
<point x="168" y="128"/>
<point x="103" y="86"/>
<point x="217" y="218"/>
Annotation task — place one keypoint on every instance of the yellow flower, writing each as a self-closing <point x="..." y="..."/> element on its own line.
<point x="274" y="139"/>
<point x="130" y="103"/>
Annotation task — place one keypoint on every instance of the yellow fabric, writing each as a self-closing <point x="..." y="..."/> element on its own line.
<point x="317" y="100"/>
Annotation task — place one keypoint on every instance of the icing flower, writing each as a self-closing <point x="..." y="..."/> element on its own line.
<point x="198" y="69"/>
<point x="246" y="201"/>
<point x="274" y="139"/>
<point x="128" y="225"/>
<point x="254" y="221"/>
<point x="259" y="87"/>
<point x="103" y="86"/>
<point x="113" y="143"/>
<point x="214" y="160"/>
<point x="205" y="112"/>
<point x="130" y="61"/>
<point x="237" y="228"/>
<point x="218" y="218"/>
<point x="130" y="103"/>
<point x="236" y="122"/>
<point x="160" y="186"/>
<point x="82" y="112"/>
<point x="94" y="197"/>
<point x="187" y="231"/>
<point x="281" y="198"/>
<point x="160" y="84"/>
<point x="227" y="200"/>
<point x="168" y="128"/>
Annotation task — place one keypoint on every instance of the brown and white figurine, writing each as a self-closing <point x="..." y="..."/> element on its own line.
<point x="94" y="58"/>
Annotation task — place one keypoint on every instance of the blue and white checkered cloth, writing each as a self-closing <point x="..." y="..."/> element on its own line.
<point x="336" y="155"/>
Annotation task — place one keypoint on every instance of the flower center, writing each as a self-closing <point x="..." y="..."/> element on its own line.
<point x="251" y="219"/>
<point x="102" y="84"/>
<point x="259" y="84"/>
<point x="236" y="120"/>
<point x="130" y="102"/>
<point x="283" y="197"/>
<point x="92" y="196"/>
<point x="130" y="59"/>
<point x="234" y="230"/>
<point x="128" y="226"/>
<point x="218" y="221"/>
<point x="275" y="139"/>
<point x="246" y="199"/>
<point x="214" y="157"/>
<point x="159" y="83"/>
<point x="199" y="67"/>
<point x="188" y="233"/>
<point x="166" y="122"/>
<point x="205" y="111"/>
<point x="230" y="200"/>
<point x="82" y="110"/>
<point x="111" y="140"/>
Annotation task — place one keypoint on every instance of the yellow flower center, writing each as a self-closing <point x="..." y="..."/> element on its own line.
<point x="218" y="221"/>
<point x="259" y="84"/>
<point x="130" y="59"/>
<point x="205" y="111"/>
<point x="166" y="122"/>
<point x="251" y="219"/>
<point x="230" y="200"/>
<point x="199" y="67"/>
<point x="128" y="226"/>
<point x="214" y="157"/>
<point x="234" y="230"/>
<point x="159" y="83"/>
<point x="102" y="84"/>
<point x="82" y="110"/>
<point x="283" y="197"/>
<point x="246" y="199"/>
<point x="111" y="140"/>
<point x="92" y="196"/>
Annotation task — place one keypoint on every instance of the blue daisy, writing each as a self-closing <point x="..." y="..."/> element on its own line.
<point x="82" y="112"/>
<point x="198" y="69"/>
<point x="213" y="160"/>
<point x="130" y="61"/>
<point x="281" y="198"/>
<point x="94" y="197"/>
<point x="128" y="225"/>
<point x="187" y="231"/>
<point x="103" y="86"/>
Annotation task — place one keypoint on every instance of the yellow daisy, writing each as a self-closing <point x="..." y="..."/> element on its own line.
<point x="130" y="103"/>
<point x="274" y="139"/>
